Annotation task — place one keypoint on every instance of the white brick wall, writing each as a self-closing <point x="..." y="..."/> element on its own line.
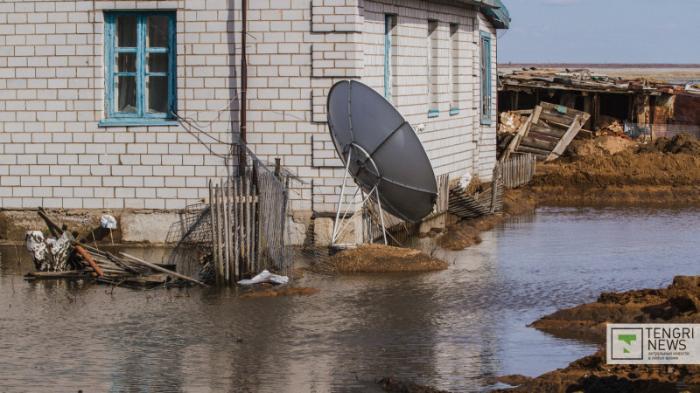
<point x="51" y="97"/>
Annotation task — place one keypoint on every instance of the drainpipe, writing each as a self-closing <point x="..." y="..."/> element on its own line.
<point x="244" y="87"/>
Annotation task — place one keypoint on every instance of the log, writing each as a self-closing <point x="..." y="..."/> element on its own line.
<point x="162" y="270"/>
<point x="88" y="258"/>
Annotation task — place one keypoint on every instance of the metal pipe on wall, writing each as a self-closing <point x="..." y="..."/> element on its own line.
<point x="244" y="88"/>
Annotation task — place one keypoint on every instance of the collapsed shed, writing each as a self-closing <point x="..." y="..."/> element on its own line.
<point x="641" y="106"/>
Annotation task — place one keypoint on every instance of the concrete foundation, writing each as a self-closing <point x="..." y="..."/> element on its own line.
<point x="133" y="226"/>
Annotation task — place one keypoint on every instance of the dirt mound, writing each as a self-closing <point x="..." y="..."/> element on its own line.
<point x="467" y="233"/>
<point x="378" y="258"/>
<point x="678" y="303"/>
<point x="679" y="144"/>
<point x="592" y="374"/>
<point x="600" y="146"/>
<point x="662" y="172"/>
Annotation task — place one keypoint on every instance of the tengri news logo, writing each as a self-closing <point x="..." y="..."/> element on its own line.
<point x="653" y="343"/>
<point x="627" y="343"/>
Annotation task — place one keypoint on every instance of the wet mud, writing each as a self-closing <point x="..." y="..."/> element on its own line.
<point x="591" y="374"/>
<point x="678" y="303"/>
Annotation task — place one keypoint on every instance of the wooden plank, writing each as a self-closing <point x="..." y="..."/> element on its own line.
<point x="162" y="270"/>
<point x="537" y="143"/>
<point x="241" y="235"/>
<point x="535" y="151"/>
<point x="560" y="110"/>
<point x="247" y="225"/>
<point x="547" y="133"/>
<point x="522" y="132"/>
<point x="234" y="230"/>
<point x="576" y="125"/>
<point x="227" y="230"/>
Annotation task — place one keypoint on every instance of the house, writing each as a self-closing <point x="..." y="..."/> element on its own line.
<point x="118" y="104"/>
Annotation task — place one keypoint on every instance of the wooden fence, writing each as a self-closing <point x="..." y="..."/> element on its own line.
<point x="234" y="206"/>
<point x="518" y="170"/>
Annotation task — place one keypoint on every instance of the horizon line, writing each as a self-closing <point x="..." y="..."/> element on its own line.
<point x="599" y="65"/>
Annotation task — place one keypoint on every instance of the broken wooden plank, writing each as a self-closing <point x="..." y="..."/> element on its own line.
<point x="564" y="142"/>
<point x="522" y="132"/>
<point x="162" y="270"/>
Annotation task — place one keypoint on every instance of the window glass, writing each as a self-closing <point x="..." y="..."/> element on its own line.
<point x="158" y="62"/>
<point x="157" y="87"/>
<point x="126" y="31"/>
<point x="126" y="94"/>
<point x="126" y="62"/>
<point x="454" y="66"/>
<point x="140" y="81"/>
<point x="433" y="67"/>
<point x="158" y="31"/>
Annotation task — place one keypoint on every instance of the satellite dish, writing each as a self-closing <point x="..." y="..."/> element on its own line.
<point x="381" y="151"/>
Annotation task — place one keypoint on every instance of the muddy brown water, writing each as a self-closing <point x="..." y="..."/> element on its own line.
<point x="454" y="329"/>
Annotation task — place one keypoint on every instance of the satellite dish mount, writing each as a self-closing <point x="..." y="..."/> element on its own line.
<point x="382" y="153"/>
<point x="341" y="224"/>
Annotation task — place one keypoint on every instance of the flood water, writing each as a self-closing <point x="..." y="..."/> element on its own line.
<point x="454" y="330"/>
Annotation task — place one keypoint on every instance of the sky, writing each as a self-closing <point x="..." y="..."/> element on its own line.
<point x="601" y="31"/>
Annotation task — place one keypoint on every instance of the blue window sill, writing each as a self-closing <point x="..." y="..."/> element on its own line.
<point x="433" y="113"/>
<point x="136" y="122"/>
<point x="486" y="122"/>
<point x="454" y="111"/>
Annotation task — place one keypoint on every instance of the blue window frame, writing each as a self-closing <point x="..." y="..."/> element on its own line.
<point x="140" y="69"/>
<point x="389" y="53"/>
<point x="486" y="84"/>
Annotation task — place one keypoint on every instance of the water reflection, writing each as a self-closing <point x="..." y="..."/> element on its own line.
<point x="453" y="329"/>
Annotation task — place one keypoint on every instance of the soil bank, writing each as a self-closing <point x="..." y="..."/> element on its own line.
<point x="592" y="374"/>
<point x="678" y="303"/>
<point x="613" y="171"/>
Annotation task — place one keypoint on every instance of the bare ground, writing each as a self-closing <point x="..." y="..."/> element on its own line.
<point x="378" y="258"/>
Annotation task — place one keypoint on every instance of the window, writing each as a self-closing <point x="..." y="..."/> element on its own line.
<point x="486" y="84"/>
<point x="139" y="68"/>
<point x="433" y="68"/>
<point x="454" y="68"/>
<point x="389" y="55"/>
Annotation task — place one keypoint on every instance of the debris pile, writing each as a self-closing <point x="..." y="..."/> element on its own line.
<point x="510" y="122"/>
<point x="61" y="256"/>
<point x="610" y="126"/>
<point x="546" y="133"/>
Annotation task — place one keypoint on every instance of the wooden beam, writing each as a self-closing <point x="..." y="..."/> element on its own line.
<point x="569" y="136"/>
